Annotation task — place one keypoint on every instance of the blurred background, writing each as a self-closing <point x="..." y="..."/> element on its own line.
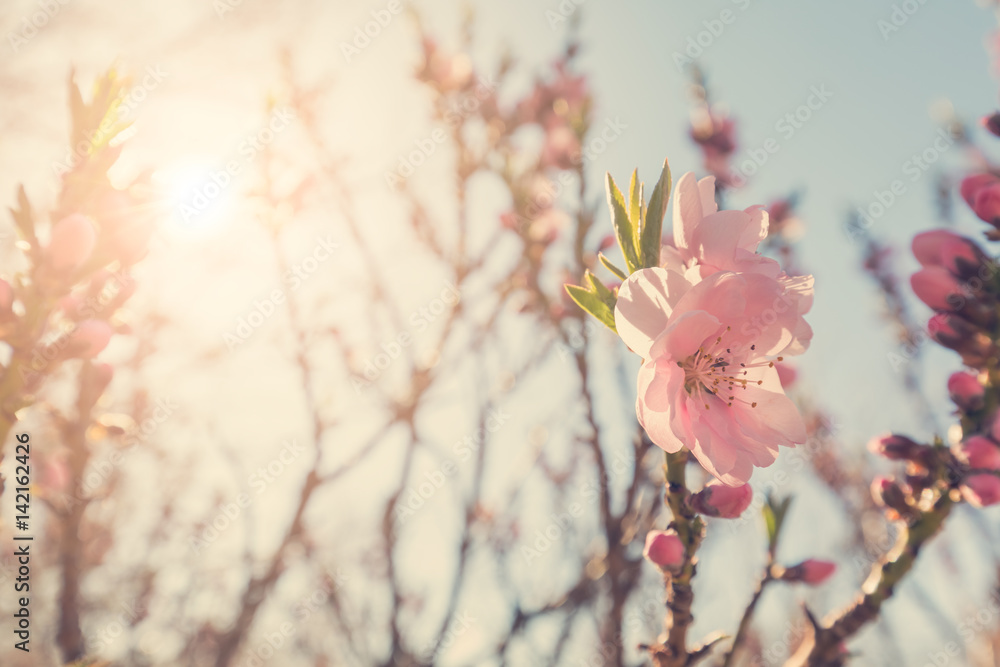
<point x="354" y="420"/>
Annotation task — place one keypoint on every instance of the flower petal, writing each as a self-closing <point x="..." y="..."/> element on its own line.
<point x="656" y="394"/>
<point x="688" y="210"/>
<point x="685" y="335"/>
<point x="645" y="301"/>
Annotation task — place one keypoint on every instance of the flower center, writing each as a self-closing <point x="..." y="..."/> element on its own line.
<point x="716" y="369"/>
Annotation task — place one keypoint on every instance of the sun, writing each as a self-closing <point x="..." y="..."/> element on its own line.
<point x="201" y="199"/>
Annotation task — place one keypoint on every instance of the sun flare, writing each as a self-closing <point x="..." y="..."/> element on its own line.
<point x="201" y="199"/>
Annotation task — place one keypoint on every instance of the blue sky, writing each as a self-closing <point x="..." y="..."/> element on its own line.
<point x="763" y="65"/>
<point x="884" y="85"/>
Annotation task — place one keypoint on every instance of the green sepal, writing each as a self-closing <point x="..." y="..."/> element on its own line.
<point x="625" y="231"/>
<point x="593" y="303"/>
<point x="652" y="227"/>
<point x="611" y="267"/>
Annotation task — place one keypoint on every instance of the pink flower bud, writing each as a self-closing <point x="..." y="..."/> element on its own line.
<point x="936" y="287"/>
<point x="892" y="495"/>
<point x="561" y="149"/>
<point x="966" y="391"/>
<point x="55" y="475"/>
<point x="894" y="447"/>
<point x="722" y="501"/>
<point x="981" y="453"/>
<point x="606" y="242"/>
<point x="971" y="184"/>
<point x="72" y="242"/>
<point x="786" y="374"/>
<point x="957" y="333"/>
<point x="130" y="243"/>
<point x="89" y="338"/>
<point x="663" y="548"/>
<point x="812" y="571"/>
<point x="982" y="193"/>
<point x="991" y="123"/>
<point x="6" y="298"/>
<point x="926" y="246"/>
<point x="98" y="377"/>
<point x="548" y="225"/>
<point x="981" y="490"/>
<point x="961" y="256"/>
<point x="508" y="220"/>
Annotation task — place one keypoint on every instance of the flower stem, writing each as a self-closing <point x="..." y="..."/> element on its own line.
<point x="680" y="596"/>
<point x="825" y="649"/>
<point x="741" y="631"/>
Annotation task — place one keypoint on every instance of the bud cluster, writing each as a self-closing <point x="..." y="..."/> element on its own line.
<point x="959" y="282"/>
<point x="972" y="468"/>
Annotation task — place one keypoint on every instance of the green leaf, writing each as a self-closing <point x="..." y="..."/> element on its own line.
<point x="652" y="228"/>
<point x="611" y="267"/>
<point x="76" y="108"/>
<point x="635" y="206"/>
<point x="772" y="523"/>
<point x="593" y="304"/>
<point x="774" y="515"/>
<point x="624" y="229"/>
<point x="24" y="219"/>
<point x="601" y="290"/>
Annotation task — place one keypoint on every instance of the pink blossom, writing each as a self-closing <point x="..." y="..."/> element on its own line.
<point x="991" y="123"/>
<point x="548" y="225"/>
<point x="130" y="242"/>
<point x="713" y="131"/>
<point x="888" y="493"/>
<point x="981" y="490"/>
<point x="962" y="257"/>
<point x="509" y="220"/>
<point x="878" y="487"/>
<point x="783" y="221"/>
<point x="126" y="224"/>
<point x="957" y="333"/>
<point x="571" y="89"/>
<point x="448" y="72"/>
<point x="786" y="374"/>
<point x="966" y="391"/>
<point x="606" y="242"/>
<point x="716" y="135"/>
<point x="6" y="298"/>
<point x="812" y="571"/>
<point x="73" y="240"/>
<point x="96" y="377"/>
<point x="724" y="502"/>
<point x="707" y="240"/>
<point x="663" y="548"/>
<point x="561" y="149"/>
<point x="89" y="338"/>
<point x="709" y="382"/>
<point x="552" y="103"/>
<point x="982" y="193"/>
<point x="55" y="475"/>
<point x="937" y="287"/>
<point x="894" y="447"/>
<point x="981" y="453"/>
